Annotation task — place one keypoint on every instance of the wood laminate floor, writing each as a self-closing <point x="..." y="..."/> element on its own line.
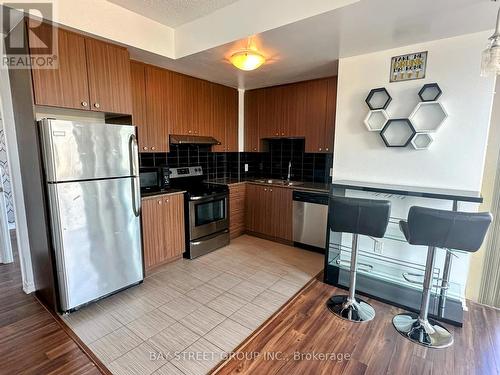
<point x="31" y="340"/>
<point x="306" y="326"/>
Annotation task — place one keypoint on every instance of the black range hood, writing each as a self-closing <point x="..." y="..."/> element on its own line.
<point x="193" y="140"/>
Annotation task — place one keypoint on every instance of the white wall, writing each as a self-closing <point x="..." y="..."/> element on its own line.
<point x="101" y="18"/>
<point x="456" y="158"/>
<point x="487" y="190"/>
<point x="23" y="245"/>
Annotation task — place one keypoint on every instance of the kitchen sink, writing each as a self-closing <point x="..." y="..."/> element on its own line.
<point x="271" y="181"/>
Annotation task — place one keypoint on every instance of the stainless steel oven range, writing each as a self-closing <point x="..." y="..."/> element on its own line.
<point x="206" y="211"/>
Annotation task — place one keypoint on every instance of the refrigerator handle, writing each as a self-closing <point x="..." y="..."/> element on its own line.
<point x="134" y="170"/>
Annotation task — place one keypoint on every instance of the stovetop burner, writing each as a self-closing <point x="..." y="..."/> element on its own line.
<point x="191" y="179"/>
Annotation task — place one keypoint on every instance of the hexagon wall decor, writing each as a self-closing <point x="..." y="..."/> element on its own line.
<point x="422" y="141"/>
<point x="375" y="120"/>
<point x="428" y="117"/>
<point x="430" y="92"/>
<point x="378" y="99"/>
<point x="397" y="132"/>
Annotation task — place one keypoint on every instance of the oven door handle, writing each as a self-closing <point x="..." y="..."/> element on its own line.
<point x="209" y="198"/>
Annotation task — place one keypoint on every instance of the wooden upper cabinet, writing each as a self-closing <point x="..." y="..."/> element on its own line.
<point x="271" y="115"/>
<point x="252" y="139"/>
<point x="138" y="79"/>
<point x="184" y="105"/>
<point x="203" y="107"/>
<point x="91" y="75"/>
<point x="158" y="110"/>
<point x="299" y="110"/>
<point x="225" y="118"/>
<point x="66" y="86"/>
<point x="316" y="97"/>
<point x="109" y="77"/>
<point x="219" y="118"/>
<point x="331" y="111"/>
<point x="231" y="101"/>
<point x="294" y="108"/>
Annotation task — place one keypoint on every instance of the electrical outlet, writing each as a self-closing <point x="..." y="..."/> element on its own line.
<point x="246" y="167"/>
<point x="378" y="247"/>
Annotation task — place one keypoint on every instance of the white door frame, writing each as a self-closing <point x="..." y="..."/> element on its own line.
<point x="16" y="182"/>
<point x="6" y="255"/>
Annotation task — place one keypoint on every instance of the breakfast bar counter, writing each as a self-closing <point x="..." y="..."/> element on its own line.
<point x="389" y="268"/>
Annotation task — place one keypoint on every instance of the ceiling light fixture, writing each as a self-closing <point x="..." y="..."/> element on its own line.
<point x="490" y="59"/>
<point x="247" y="59"/>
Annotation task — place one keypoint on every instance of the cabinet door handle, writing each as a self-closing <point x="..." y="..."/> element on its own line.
<point x="145" y="148"/>
<point x="320" y="149"/>
<point x="160" y="202"/>
<point x="326" y="149"/>
<point x="270" y="190"/>
<point x="265" y="189"/>
<point x="255" y="148"/>
<point x="189" y="131"/>
<point x="97" y="105"/>
<point x="166" y="200"/>
<point x="85" y="104"/>
<point x="277" y="134"/>
<point x="282" y="133"/>
<point x="153" y="148"/>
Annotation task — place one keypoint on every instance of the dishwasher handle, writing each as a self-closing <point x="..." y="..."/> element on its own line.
<point x="318" y="198"/>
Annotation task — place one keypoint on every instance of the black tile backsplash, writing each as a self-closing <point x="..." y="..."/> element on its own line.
<point x="306" y="167"/>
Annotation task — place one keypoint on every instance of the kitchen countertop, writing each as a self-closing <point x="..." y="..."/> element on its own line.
<point x="162" y="192"/>
<point x="301" y="186"/>
<point x="416" y="191"/>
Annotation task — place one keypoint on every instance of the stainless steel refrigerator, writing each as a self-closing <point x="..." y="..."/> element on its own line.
<point x="92" y="184"/>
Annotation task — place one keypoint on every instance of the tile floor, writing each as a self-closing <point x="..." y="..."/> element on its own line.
<point x="186" y="316"/>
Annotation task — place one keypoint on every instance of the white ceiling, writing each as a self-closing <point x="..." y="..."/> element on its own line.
<point x="310" y="48"/>
<point x="173" y="13"/>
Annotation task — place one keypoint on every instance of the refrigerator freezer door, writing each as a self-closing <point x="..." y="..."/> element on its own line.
<point x="97" y="238"/>
<point x="83" y="151"/>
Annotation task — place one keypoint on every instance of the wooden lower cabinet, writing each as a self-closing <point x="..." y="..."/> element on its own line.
<point x="237" y="197"/>
<point x="269" y="211"/>
<point x="163" y="229"/>
<point x="282" y="215"/>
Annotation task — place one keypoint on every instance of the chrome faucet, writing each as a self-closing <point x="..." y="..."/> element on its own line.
<point x="289" y="171"/>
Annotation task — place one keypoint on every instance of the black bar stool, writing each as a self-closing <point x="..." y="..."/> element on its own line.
<point x="357" y="216"/>
<point x="437" y="229"/>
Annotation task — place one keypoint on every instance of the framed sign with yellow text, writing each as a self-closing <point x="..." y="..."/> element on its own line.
<point x="408" y="67"/>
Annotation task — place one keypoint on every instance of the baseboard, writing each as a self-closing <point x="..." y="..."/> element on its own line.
<point x="28" y="287"/>
<point x="270" y="238"/>
<point x="152" y="270"/>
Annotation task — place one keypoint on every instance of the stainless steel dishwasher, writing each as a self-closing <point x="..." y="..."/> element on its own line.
<point x="310" y="218"/>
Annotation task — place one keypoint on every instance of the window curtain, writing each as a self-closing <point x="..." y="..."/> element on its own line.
<point x="489" y="292"/>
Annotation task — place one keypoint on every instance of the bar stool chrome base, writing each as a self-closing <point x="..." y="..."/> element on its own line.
<point x="428" y="333"/>
<point x="354" y="311"/>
